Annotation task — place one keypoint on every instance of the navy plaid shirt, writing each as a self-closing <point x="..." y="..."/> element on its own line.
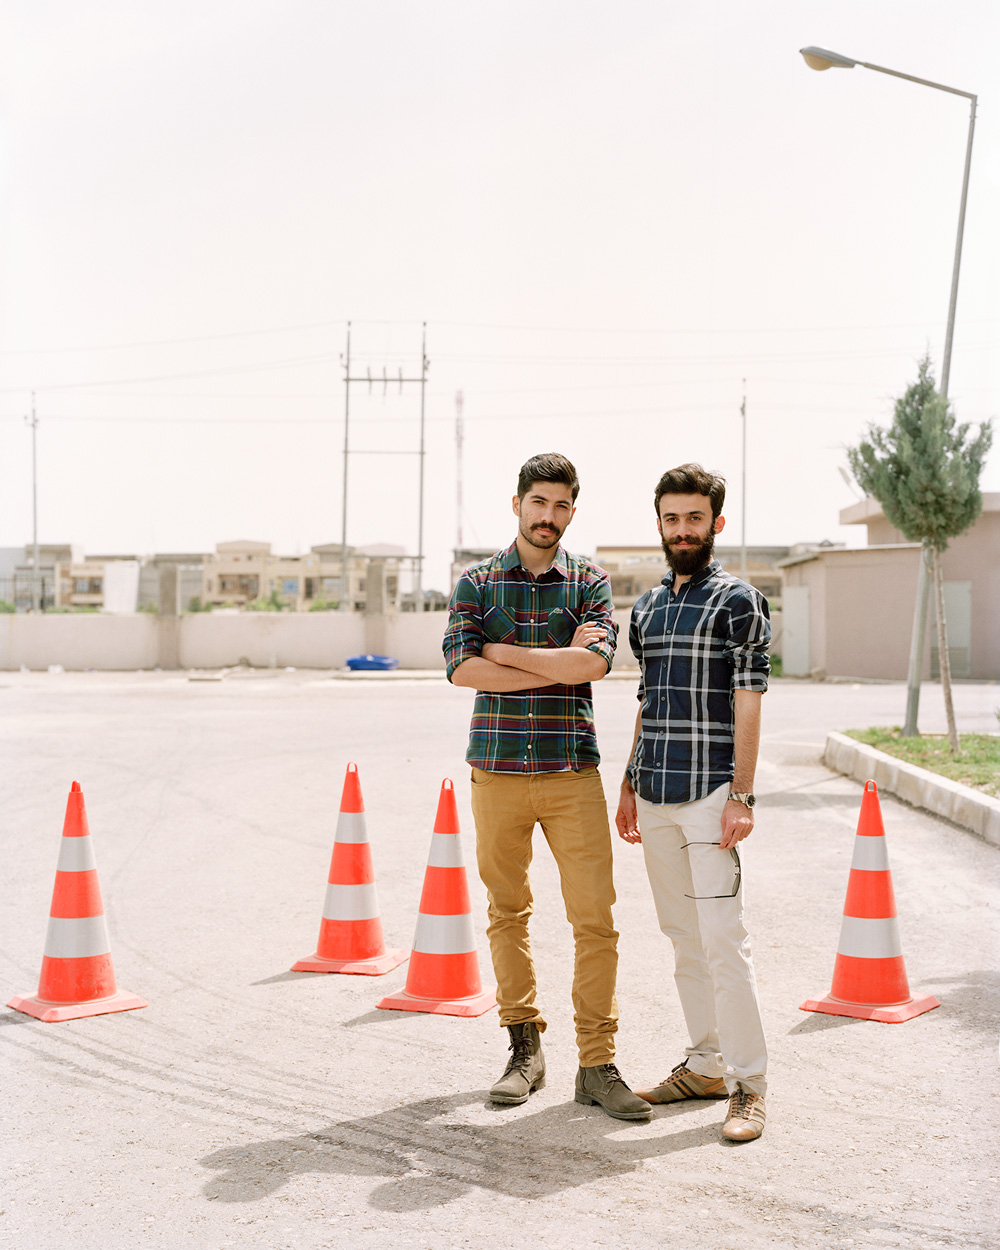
<point x="694" y="648"/>
<point x="550" y="728"/>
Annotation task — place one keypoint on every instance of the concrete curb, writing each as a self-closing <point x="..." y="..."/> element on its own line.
<point x="976" y="812"/>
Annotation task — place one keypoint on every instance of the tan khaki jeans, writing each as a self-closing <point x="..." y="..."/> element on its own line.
<point x="571" y="809"/>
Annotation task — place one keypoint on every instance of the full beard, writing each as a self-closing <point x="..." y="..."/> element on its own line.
<point x="690" y="559"/>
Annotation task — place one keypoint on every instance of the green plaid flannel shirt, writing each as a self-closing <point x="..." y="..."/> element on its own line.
<point x="498" y="600"/>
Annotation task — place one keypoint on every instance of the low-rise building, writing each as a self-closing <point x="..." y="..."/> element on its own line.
<point x="244" y="570"/>
<point x="849" y="612"/>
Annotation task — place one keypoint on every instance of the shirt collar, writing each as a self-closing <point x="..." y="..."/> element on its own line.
<point x="710" y="569"/>
<point x="558" y="567"/>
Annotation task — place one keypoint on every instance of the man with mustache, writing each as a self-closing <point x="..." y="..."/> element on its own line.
<point x="529" y="630"/>
<point x="701" y="639"/>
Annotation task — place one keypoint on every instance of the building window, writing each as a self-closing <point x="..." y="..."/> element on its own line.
<point x="330" y="585"/>
<point x="289" y="585"/>
<point x="87" y="585"/>
<point x="238" y="584"/>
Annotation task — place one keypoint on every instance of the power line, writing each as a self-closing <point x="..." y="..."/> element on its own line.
<point x="471" y="325"/>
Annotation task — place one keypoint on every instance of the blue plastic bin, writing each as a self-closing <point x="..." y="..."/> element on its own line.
<point x="371" y="663"/>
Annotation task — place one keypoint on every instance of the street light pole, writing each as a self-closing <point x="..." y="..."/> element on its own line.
<point x="823" y="59"/>
<point x="37" y="594"/>
<point x="743" y="490"/>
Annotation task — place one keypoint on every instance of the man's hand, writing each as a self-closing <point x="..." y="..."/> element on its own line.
<point x="587" y="634"/>
<point x="737" y="824"/>
<point x="627" y="818"/>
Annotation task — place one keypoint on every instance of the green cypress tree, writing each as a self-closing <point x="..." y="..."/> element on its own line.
<point x="924" y="470"/>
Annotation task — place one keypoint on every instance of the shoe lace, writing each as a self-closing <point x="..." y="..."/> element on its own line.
<point x="520" y="1055"/>
<point x="741" y="1103"/>
<point x="677" y="1073"/>
<point x="611" y="1072"/>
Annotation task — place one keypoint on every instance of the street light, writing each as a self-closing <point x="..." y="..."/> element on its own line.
<point x="823" y="59"/>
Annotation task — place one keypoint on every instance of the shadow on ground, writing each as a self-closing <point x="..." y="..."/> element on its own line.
<point x="428" y="1158"/>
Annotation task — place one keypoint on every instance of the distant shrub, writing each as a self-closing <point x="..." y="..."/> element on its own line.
<point x="271" y="604"/>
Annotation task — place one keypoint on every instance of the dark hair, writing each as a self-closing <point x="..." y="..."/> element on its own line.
<point x="692" y="479"/>
<point x="548" y="467"/>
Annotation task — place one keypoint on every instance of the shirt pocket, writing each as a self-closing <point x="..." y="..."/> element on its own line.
<point x="562" y="626"/>
<point x="499" y="625"/>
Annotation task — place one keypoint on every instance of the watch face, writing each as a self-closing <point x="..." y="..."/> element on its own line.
<point x="750" y="800"/>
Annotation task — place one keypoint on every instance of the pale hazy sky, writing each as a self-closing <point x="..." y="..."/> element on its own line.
<point x="608" y="215"/>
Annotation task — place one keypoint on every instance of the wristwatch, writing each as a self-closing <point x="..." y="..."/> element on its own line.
<point x="748" y="800"/>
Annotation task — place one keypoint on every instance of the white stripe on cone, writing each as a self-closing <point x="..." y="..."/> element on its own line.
<point x="77" y="939"/>
<point x="870" y="854"/>
<point x="444" y="935"/>
<point x="351" y="827"/>
<point x="351" y="902"/>
<point x="869" y="939"/>
<point x="446" y="851"/>
<point x="76" y="855"/>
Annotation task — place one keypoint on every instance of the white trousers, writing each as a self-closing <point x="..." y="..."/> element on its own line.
<point x="692" y="880"/>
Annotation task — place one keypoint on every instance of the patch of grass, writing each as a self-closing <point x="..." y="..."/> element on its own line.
<point x="977" y="764"/>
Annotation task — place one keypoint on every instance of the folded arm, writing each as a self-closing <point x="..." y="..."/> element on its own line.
<point x="481" y="673"/>
<point x="565" y="666"/>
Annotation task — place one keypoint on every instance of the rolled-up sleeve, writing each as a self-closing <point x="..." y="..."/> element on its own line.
<point x="464" y="636"/>
<point x="749" y="641"/>
<point x="598" y="608"/>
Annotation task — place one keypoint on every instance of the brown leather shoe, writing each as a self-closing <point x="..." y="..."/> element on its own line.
<point x="602" y="1086"/>
<point x="525" y="1071"/>
<point x="683" y="1083"/>
<point x="746" y="1116"/>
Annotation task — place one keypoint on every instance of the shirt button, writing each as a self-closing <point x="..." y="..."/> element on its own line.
<point x="530" y="715"/>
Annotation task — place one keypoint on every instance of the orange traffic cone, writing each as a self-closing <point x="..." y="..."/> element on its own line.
<point x="350" y="933"/>
<point x="78" y="978"/>
<point x="443" y="976"/>
<point x="869" y="976"/>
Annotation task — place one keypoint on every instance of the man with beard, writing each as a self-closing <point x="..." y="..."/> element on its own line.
<point x="701" y="639"/>
<point x="529" y="630"/>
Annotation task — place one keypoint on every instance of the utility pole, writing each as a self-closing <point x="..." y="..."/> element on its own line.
<point x="397" y="380"/>
<point x="743" y="492"/>
<point x="459" y="437"/>
<point x="36" y="593"/>
<point x="345" y="584"/>
<point x="420" y="501"/>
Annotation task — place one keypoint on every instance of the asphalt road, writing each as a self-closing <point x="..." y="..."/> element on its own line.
<point x="250" y="1106"/>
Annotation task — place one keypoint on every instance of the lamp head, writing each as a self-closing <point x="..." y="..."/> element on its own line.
<point x="821" y="58"/>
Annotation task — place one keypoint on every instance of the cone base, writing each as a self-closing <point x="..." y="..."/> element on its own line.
<point x="50" y="1013"/>
<point x="897" y="1014"/>
<point x="376" y="966"/>
<point x="474" y="1005"/>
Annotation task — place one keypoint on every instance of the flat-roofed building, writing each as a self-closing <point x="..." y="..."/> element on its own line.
<point x="849" y="612"/>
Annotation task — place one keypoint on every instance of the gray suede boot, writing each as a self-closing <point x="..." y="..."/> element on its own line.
<point x="604" y="1087"/>
<point x="525" y="1069"/>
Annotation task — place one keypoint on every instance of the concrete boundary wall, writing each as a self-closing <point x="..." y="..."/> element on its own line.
<point x="207" y="640"/>
<point x="961" y="804"/>
<point x="79" y="641"/>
